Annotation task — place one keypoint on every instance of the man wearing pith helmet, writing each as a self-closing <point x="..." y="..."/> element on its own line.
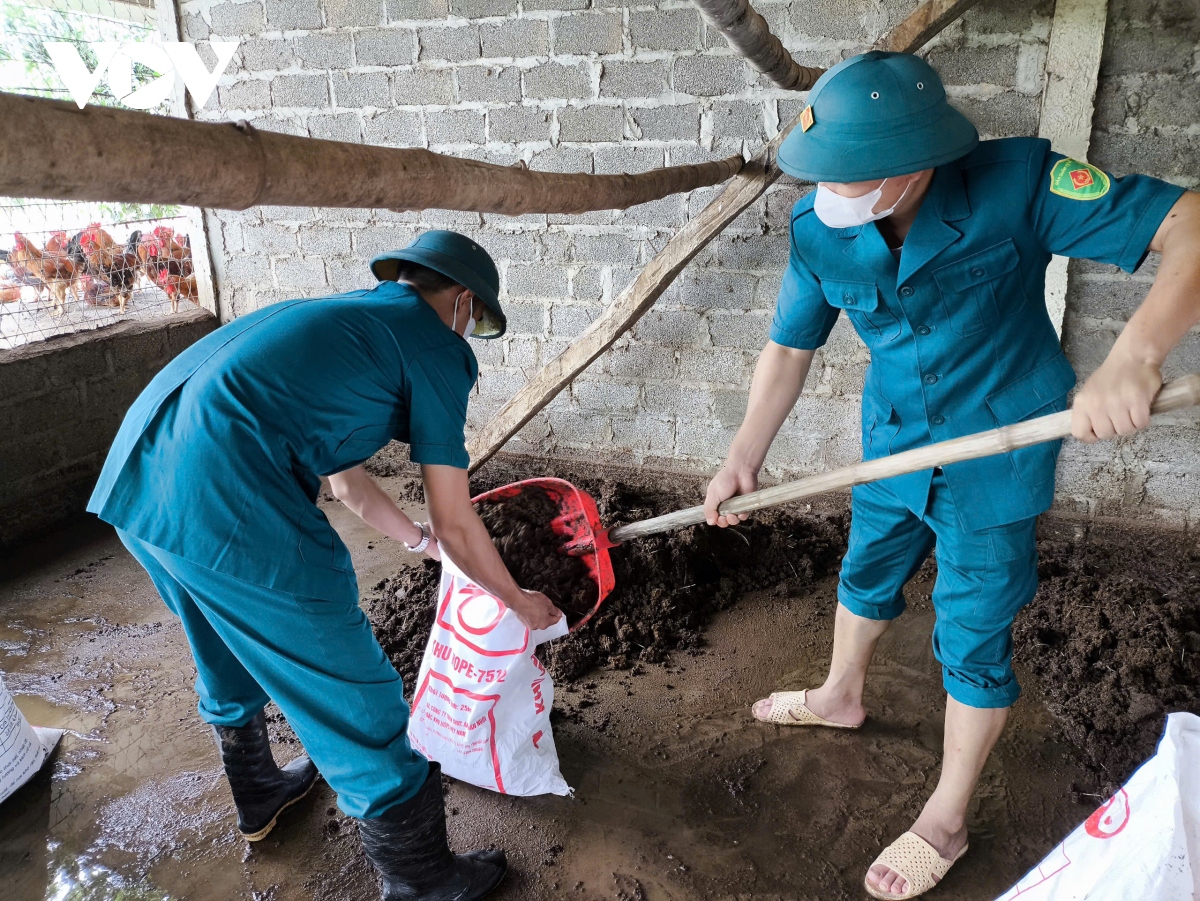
<point x="935" y="245"/>
<point x="212" y="483"/>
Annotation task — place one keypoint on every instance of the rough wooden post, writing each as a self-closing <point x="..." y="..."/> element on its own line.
<point x="170" y="29"/>
<point x="1068" y="104"/>
<point x="748" y="33"/>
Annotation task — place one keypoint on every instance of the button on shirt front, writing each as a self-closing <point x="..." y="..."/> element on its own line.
<point x="971" y="277"/>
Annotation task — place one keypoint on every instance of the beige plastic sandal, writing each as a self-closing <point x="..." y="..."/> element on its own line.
<point x="917" y="861"/>
<point x="789" y="709"/>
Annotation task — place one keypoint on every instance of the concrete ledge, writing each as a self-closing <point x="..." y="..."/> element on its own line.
<point x="61" y="403"/>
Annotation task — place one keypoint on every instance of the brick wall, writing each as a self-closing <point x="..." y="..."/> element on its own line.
<point x="61" y="403"/>
<point x="611" y="86"/>
<point x="1147" y="120"/>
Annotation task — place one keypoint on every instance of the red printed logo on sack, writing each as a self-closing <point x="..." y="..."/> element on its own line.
<point x="461" y="718"/>
<point x="478" y="614"/>
<point x="1110" y="818"/>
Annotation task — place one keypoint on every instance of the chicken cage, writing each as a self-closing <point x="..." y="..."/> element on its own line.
<point x="70" y="266"/>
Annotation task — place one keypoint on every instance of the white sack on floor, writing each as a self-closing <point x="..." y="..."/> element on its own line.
<point x="1144" y="843"/>
<point x="23" y="748"/>
<point x="483" y="699"/>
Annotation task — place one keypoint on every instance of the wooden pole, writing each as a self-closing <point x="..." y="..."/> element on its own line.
<point x="1175" y="395"/>
<point x="53" y="149"/>
<point x="746" y="187"/>
<point x="749" y="34"/>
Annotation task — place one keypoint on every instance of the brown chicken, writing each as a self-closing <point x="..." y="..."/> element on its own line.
<point x="54" y="269"/>
<point x="106" y="261"/>
<point x="14" y="281"/>
<point x="95" y="293"/>
<point x="178" y="286"/>
<point x="179" y="251"/>
<point x="168" y="263"/>
<point x="21" y="275"/>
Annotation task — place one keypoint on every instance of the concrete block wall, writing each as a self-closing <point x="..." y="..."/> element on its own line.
<point x="1147" y="120"/>
<point x="607" y="86"/>
<point x="61" y="403"/>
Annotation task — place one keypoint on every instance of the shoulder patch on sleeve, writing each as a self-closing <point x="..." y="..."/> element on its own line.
<point x="1078" y="181"/>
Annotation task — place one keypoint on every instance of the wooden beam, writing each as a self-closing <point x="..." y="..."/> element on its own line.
<point x="1069" y="104"/>
<point x="749" y="34"/>
<point x="925" y="23"/>
<point x="759" y="174"/>
<point x="53" y="149"/>
<point x="633" y="302"/>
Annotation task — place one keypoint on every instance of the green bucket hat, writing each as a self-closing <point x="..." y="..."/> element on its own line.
<point x="876" y="115"/>
<point x="456" y="257"/>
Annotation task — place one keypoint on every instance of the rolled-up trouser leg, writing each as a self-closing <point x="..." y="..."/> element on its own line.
<point x="888" y="543"/>
<point x="318" y="660"/>
<point x="985" y="578"/>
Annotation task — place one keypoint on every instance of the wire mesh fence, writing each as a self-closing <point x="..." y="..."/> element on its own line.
<point x="64" y="266"/>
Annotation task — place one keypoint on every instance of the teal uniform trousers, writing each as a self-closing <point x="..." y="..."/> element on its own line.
<point x="212" y="483"/>
<point x="961" y="342"/>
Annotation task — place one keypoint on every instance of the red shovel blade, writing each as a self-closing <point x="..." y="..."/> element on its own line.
<point x="579" y="522"/>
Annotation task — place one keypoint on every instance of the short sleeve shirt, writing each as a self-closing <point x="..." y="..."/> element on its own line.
<point x="957" y="327"/>
<point x="219" y="460"/>
<point x="1073" y="210"/>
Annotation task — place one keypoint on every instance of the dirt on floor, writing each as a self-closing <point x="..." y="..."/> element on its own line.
<point x="1114" y="636"/>
<point x="679" y="793"/>
<point x="668" y="587"/>
<point x="1113" y="633"/>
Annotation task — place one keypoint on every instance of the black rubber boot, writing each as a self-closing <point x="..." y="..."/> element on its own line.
<point x="408" y="847"/>
<point x="261" y="790"/>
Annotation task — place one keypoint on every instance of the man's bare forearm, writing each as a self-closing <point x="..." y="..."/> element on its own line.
<point x="462" y="534"/>
<point x="1172" y="305"/>
<point x="363" y="496"/>
<point x="469" y="545"/>
<point x="778" y="380"/>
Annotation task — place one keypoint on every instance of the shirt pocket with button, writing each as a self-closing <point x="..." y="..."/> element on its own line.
<point x="862" y="303"/>
<point x="880" y="424"/>
<point x="1040" y="392"/>
<point x="977" y="289"/>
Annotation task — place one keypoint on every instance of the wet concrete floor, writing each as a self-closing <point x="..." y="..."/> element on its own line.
<point x="679" y="794"/>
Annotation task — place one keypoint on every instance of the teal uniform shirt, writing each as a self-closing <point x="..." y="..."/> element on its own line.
<point x="959" y="335"/>
<point x="218" y="461"/>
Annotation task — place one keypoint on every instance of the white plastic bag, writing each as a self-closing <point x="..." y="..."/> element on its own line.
<point x="1143" y="843"/>
<point x="483" y="699"/>
<point x="23" y="748"/>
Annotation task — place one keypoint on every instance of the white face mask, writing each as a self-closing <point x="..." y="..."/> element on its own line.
<point x="837" y="211"/>
<point x="471" y="323"/>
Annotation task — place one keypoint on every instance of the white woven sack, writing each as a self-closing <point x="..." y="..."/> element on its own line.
<point x="482" y="703"/>
<point x="23" y="748"/>
<point x="1143" y="843"/>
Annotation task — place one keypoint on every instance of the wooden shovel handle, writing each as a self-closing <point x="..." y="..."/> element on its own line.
<point x="1174" y="395"/>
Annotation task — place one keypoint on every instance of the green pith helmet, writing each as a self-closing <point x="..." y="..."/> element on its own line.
<point x="876" y="115"/>
<point x="459" y="258"/>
